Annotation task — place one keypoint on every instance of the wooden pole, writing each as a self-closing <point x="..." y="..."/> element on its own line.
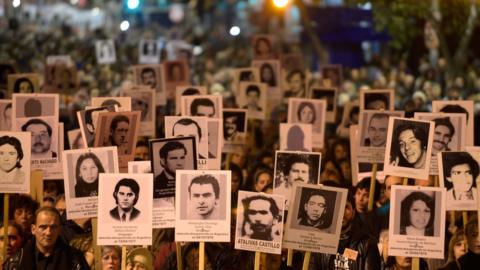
<point x="257" y="260"/>
<point x="179" y="256"/>
<point x="5" y="225"/>
<point x="289" y="257"/>
<point x="405" y="181"/>
<point x="371" y="196"/>
<point x="465" y="221"/>
<point x="415" y="263"/>
<point x="97" y="250"/>
<point x="306" y="260"/>
<point x="201" y="256"/>
<point x="124" y="258"/>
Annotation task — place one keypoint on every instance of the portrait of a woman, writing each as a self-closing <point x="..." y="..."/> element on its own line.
<point x="23" y="85"/>
<point x="86" y="172"/>
<point x="306" y="113"/>
<point x="11" y="154"/>
<point x="267" y="75"/>
<point x="417" y="214"/>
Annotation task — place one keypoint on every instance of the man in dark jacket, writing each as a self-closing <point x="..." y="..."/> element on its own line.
<point x="47" y="251"/>
<point x="354" y="238"/>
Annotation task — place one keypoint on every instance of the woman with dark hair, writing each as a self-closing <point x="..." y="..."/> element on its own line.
<point x="267" y="75"/>
<point x="263" y="48"/>
<point x="11" y="154"/>
<point x="86" y="172"/>
<point x="409" y="146"/>
<point x="306" y="113"/>
<point x="417" y="214"/>
<point x="23" y="85"/>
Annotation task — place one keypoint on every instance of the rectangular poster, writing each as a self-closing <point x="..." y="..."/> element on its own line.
<point x="15" y="162"/>
<point x="309" y="111"/>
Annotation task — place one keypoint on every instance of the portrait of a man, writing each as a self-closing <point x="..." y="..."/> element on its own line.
<point x="442" y="135"/>
<point x="376" y="101"/>
<point x="377" y="130"/>
<point x="202" y="107"/>
<point x="119" y="130"/>
<point x="296" y="84"/>
<point x="126" y="195"/>
<point x="172" y="158"/>
<point x="41" y="138"/>
<point x="252" y="93"/>
<point x="460" y="171"/>
<point x="148" y="77"/>
<point x="409" y="145"/>
<point x="260" y="216"/>
<point x="203" y="198"/>
<point x="188" y="127"/>
<point x="233" y="126"/>
<point x="316" y="208"/>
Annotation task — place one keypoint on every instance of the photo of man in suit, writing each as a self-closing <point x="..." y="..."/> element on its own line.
<point x="126" y="196"/>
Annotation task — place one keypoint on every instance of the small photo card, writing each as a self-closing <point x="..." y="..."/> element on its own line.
<point x="143" y="100"/>
<point x="234" y="129"/>
<point x="249" y="74"/>
<point x="174" y="73"/>
<point x="330" y="95"/>
<point x="81" y="174"/>
<point x="148" y="51"/>
<point x="409" y="147"/>
<point x="202" y="105"/>
<point x="263" y="47"/>
<point x="309" y="111"/>
<point x="35" y="105"/>
<point x="253" y="97"/>
<point x="119" y="129"/>
<point x="125" y="209"/>
<point x="88" y="122"/>
<point x="458" y="106"/>
<point x="202" y="206"/>
<point x="377" y="99"/>
<point x="15" y="161"/>
<point x="459" y="174"/>
<point x="315" y="217"/>
<point x="296" y="137"/>
<point x="295" y="167"/>
<point x="44" y="133"/>
<point x="295" y="84"/>
<point x="6" y="114"/>
<point x="23" y="83"/>
<point x="270" y="74"/>
<point x="417" y="222"/>
<point x="332" y="76"/>
<point x="105" y="51"/>
<point x="373" y="125"/>
<point x="124" y="104"/>
<point x="151" y="76"/>
<point x="187" y="90"/>
<point x="259" y="222"/>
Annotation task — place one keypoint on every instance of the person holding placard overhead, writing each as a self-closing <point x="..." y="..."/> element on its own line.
<point x="417" y="214"/>
<point x="409" y="147"/>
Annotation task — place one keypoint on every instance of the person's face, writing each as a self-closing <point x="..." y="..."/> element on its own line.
<point x="299" y="173"/>
<point x="235" y="182"/>
<point x="361" y="199"/>
<point x="120" y="133"/>
<point x="441" y="138"/>
<point x="340" y="152"/>
<point x="141" y="105"/>
<point x="7" y="117"/>
<point x="125" y="198"/>
<point x="46" y="230"/>
<point x="348" y="214"/>
<point x="88" y="170"/>
<point x="141" y="152"/>
<point x="8" y="157"/>
<point x="23" y="217"/>
<point x="263" y="48"/>
<point x="267" y="74"/>
<point x="40" y="138"/>
<point x="377" y="131"/>
<point x="460" y="248"/>
<point x="110" y="260"/>
<point x="376" y="105"/>
<point x="61" y="206"/>
<point x="14" y="240"/>
<point x="207" y="111"/>
<point x="419" y="214"/>
<point x="203" y="199"/>
<point x="25" y="87"/>
<point x="148" y="78"/>
<point x="403" y="262"/>
<point x="315" y="207"/>
<point x="461" y="177"/>
<point x="259" y="216"/>
<point x="473" y="240"/>
<point x="410" y="146"/>
<point x="138" y="262"/>
<point x="296" y="83"/>
<point x="389" y="182"/>
<point x="188" y="130"/>
<point x="175" y="160"/>
<point x="306" y="115"/>
<point x="252" y="98"/>
<point x="230" y="125"/>
<point x="263" y="180"/>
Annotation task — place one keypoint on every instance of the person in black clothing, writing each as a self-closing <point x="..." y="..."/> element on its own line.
<point x="471" y="259"/>
<point x="47" y="251"/>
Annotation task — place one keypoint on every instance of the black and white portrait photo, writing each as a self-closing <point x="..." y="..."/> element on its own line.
<point x="263" y="47"/>
<point x="35" y="105"/>
<point x="44" y="133"/>
<point x="309" y="111"/>
<point x="187" y="90"/>
<point x="458" y="106"/>
<point x="15" y="162"/>
<point x="330" y="95"/>
<point x="105" y="51"/>
<point x="150" y="76"/>
<point x="148" y="51"/>
<point x="417" y="221"/>
<point x="174" y="73"/>
<point x="332" y="75"/>
<point x="249" y="74"/>
<point x="409" y="147"/>
<point x="143" y="100"/>
<point x="269" y="71"/>
<point x="75" y="140"/>
<point x="5" y="115"/>
<point x="259" y="217"/>
<point x="458" y="174"/>
<point x="202" y="105"/>
<point x="23" y="83"/>
<point x="202" y="196"/>
<point x="315" y="218"/>
<point x="295" y="86"/>
<point x="125" y="201"/>
<point x="295" y="167"/>
<point x="88" y="122"/>
<point x="81" y="174"/>
<point x="296" y="137"/>
<point x="234" y="128"/>
<point x="253" y="97"/>
<point x="377" y="99"/>
<point x="124" y="104"/>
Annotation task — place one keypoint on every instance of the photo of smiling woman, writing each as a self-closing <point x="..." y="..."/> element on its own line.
<point x="86" y="172"/>
<point x="11" y="154"/>
<point x="417" y="214"/>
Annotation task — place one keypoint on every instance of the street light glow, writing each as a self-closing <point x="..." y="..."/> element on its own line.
<point x="280" y="3"/>
<point x="133" y="4"/>
<point x="16" y="3"/>
<point x="235" y="31"/>
<point x="124" y="26"/>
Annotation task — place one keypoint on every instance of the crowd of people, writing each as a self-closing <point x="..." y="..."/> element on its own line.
<point x="42" y="236"/>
